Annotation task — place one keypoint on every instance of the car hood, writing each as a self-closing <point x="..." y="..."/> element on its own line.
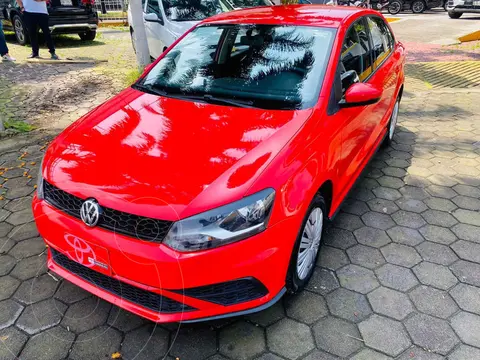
<point x="167" y="158"/>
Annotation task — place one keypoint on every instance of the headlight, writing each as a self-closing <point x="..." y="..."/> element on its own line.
<point x="40" y="182"/>
<point x="224" y="225"/>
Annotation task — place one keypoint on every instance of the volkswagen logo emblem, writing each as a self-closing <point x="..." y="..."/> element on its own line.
<point x="90" y="212"/>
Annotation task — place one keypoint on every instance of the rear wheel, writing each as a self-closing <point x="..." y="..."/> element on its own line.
<point x="133" y="41"/>
<point x="454" y="15"/>
<point x="395" y="6"/>
<point x="20" y="30"/>
<point x="88" y="35"/>
<point x="307" y="245"/>
<point x="419" y="6"/>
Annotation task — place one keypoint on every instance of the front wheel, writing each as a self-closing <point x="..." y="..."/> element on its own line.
<point x="395" y="6"/>
<point x="20" y="30"/>
<point x="307" y="245"/>
<point x="88" y="35"/>
<point x="454" y="15"/>
<point x="445" y="6"/>
<point x="418" y="6"/>
<point x="392" y="124"/>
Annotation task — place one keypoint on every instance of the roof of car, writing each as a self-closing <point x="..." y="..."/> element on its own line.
<point x="310" y="15"/>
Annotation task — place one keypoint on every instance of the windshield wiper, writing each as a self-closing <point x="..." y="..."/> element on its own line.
<point x="220" y="100"/>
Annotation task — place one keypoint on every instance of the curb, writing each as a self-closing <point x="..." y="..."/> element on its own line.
<point x="392" y="19"/>
<point x="473" y="36"/>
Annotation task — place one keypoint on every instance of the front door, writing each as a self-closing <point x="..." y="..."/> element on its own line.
<point x="156" y="32"/>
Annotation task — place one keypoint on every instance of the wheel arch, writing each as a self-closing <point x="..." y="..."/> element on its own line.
<point x="326" y="191"/>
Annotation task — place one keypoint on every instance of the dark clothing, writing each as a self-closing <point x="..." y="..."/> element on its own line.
<point x="3" y="43"/>
<point x="33" y="22"/>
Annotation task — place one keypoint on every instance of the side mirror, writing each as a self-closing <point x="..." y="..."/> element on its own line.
<point x="349" y="78"/>
<point x="360" y="94"/>
<point x="152" y="17"/>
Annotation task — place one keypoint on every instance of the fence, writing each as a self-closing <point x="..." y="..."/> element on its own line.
<point x="112" y="10"/>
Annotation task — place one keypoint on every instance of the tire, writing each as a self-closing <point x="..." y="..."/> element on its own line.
<point x="133" y="41"/>
<point x="88" y="35"/>
<point x="445" y="6"/>
<point x="395" y="6"/>
<point x="20" y="30"/>
<point x="418" y="6"/>
<point x="392" y="124"/>
<point x="298" y="276"/>
<point x="454" y="15"/>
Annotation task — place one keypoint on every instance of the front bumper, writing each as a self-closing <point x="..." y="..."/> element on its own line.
<point x="153" y="268"/>
<point x="464" y="9"/>
<point x="72" y="28"/>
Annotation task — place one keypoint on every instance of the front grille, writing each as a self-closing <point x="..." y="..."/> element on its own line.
<point x="147" y="299"/>
<point x="228" y="293"/>
<point x="139" y="227"/>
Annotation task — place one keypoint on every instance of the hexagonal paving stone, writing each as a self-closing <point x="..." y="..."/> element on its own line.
<point x="378" y="221"/>
<point x="4" y="214"/>
<point x="467" y="190"/>
<point x="306" y="307"/>
<point x="436" y="253"/>
<point x="464" y="352"/>
<point x="467" y="272"/>
<point x="382" y="206"/>
<point x="439" y="218"/>
<point x="12" y="342"/>
<point x="431" y="333"/>
<point x="20" y="217"/>
<point x="390" y="182"/>
<point x="369" y="354"/>
<point x="404" y="235"/>
<point x="467" y="203"/>
<point x="28" y="248"/>
<point x="415" y="353"/>
<point x="19" y="204"/>
<point x="8" y="285"/>
<point x="363" y="194"/>
<point x="41" y="316"/>
<point x="19" y="192"/>
<point x="467" y="216"/>
<point x="394" y="171"/>
<point x="371" y="237"/>
<point x="103" y="341"/>
<point x="6" y="264"/>
<point x="441" y="191"/>
<point x="86" y="314"/>
<point x="401" y="255"/>
<point x="6" y="245"/>
<point x="348" y="305"/>
<point x="49" y="345"/>
<point x="332" y="258"/>
<point x="442" y="180"/>
<point x="467" y="232"/>
<point x="9" y="313"/>
<point x="440" y="204"/>
<point x="337" y="336"/>
<point x="396" y="277"/>
<point x="357" y="278"/>
<point x="355" y="207"/>
<point x="435" y="275"/>
<point x="192" y="343"/>
<point x="322" y="282"/>
<point x="365" y="256"/>
<point x="267" y="356"/>
<point x="408" y="219"/>
<point x="467" y="250"/>
<point x="242" y="340"/>
<point x="438" y="234"/>
<point x="413" y="192"/>
<point x="384" y="335"/>
<point x="411" y="205"/>
<point x="70" y="293"/>
<point x="347" y="221"/>
<point x="36" y="289"/>
<point x="467" y="297"/>
<point x="387" y="193"/>
<point x="339" y="238"/>
<point x="268" y="316"/>
<point x="390" y="303"/>
<point x="30" y="267"/>
<point x="5" y="229"/>
<point x="281" y="341"/>
<point x="433" y="302"/>
<point x="467" y="326"/>
<point x="124" y="320"/>
<point x="23" y="232"/>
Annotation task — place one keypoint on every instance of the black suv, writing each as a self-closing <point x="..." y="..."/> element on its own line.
<point x="66" y="17"/>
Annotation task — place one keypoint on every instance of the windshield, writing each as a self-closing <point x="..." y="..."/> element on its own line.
<point x="194" y="10"/>
<point x="250" y="3"/>
<point x="270" y="66"/>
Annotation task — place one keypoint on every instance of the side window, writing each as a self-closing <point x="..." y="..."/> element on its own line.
<point x="356" y="51"/>
<point x="382" y="40"/>
<point x="153" y="7"/>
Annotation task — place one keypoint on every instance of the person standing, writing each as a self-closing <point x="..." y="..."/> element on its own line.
<point x="3" y="46"/>
<point x="36" y="16"/>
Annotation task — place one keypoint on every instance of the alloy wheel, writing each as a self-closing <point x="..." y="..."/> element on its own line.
<point x="310" y="243"/>
<point x="393" y="121"/>
<point x="19" y="31"/>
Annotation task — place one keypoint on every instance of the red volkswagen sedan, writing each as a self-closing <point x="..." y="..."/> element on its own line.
<point x="203" y="190"/>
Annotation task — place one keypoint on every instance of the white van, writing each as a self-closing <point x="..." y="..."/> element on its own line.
<point x="166" y="20"/>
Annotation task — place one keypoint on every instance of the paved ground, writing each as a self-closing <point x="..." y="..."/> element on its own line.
<point x="398" y="276"/>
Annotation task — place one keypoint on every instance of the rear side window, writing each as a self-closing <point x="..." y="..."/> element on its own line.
<point x="356" y="51"/>
<point x="382" y="40"/>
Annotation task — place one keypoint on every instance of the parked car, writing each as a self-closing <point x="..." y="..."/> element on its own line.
<point x="166" y="20"/>
<point x="66" y="17"/>
<point x="204" y="190"/>
<point x="456" y="8"/>
<point x="416" y="6"/>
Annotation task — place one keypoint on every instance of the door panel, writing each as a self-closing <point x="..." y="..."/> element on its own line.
<point x="155" y="30"/>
